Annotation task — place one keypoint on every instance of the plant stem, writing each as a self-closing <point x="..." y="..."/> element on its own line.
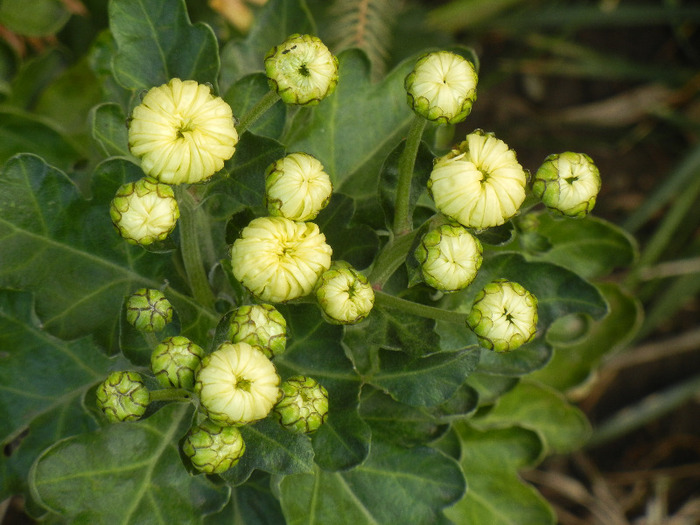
<point x="403" y="222"/>
<point x="265" y="103"/>
<point x="430" y="312"/>
<point x="189" y="246"/>
<point x="390" y="258"/>
<point x="171" y="394"/>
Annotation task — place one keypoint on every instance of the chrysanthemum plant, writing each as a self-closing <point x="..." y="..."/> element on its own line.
<point x="274" y="296"/>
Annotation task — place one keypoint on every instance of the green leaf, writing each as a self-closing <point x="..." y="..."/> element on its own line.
<point x="251" y="504"/>
<point x="48" y="230"/>
<point x="393" y="485"/>
<point x="573" y="364"/>
<point x="353" y="130"/>
<point x="156" y="42"/>
<point x="277" y="20"/>
<point x="245" y="93"/>
<point x="109" y="129"/>
<point x="590" y="247"/>
<point x="496" y="494"/>
<point x="126" y="473"/>
<point x="561" y="426"/>
<point x="46" y="17"/>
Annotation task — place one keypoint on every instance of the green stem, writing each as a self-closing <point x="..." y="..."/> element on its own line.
<point x="265" y="103"/>
<point x="422" y="310"/>
<point x="390" y="258"/>
<point x="171" y="394"/>
<point x="403" y="221"/>
<point x="189" y="246"/>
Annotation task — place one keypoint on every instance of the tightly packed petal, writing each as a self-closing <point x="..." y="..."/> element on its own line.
<point x="278" y="259"/>
<point x="568" y="183"/>
<point x="480" y="184"/>
<point x="237" y="384"/>
<point x="304" y="405"/>
<point x="259" y="325"/>
<point x="345" y="295"/>
<point x="182" y="133"/>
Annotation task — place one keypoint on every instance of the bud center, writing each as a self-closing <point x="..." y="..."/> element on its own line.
<point x="186" y="126"/>
<point x="304" y="71"/>
<point x="243" y="384"/>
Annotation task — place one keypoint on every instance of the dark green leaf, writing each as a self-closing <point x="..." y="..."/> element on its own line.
<point x="46" y="17"/>
<point x="109" y="129"/>
<point x="250" y="504"/>
<point x="528" y="358"/>
<point x="245" y="93"/>
<point x="157" y="42"/>
<point x="393" y="485"/>
<point x="128" y="473"/>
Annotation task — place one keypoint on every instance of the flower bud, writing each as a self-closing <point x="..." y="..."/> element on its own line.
<point x="182" y="133"/>
<point x="144" y="211"/>
<point x="259" y="325"/>
<point x="449" y="257"/>
<point x="504" y="316"/>
<point x="344" y="294"/>
<point x="304" y="405"/>
<point x="148" y="310"/>
<point x="278" y="259"/>
<point x="480" y="184"/>
<point x="213" y="448"/>
<point x="302" y="70"/>
<point x="442" y="87"/>
<point x="296" y="187"/>
<point x="174" y="362"/>
<point x="568" y="183"/>
<point x="123" y="396"/>
<point x="237" y="384"/>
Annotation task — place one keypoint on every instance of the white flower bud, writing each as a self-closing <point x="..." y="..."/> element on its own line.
<point x="449" y="257"/>
<point x="182" y="133"/>
<point x="296" y="187"/>
<point x="345" y="295"/>
<point x="568" y="183"/>
<point x="442" y="87"/>
<point x="278" y="259"/>
<point x="480" y="184"/>
<point x="237" y="384"/>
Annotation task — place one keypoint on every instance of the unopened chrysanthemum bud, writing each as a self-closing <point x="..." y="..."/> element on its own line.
<point x="504" y="316"/>
<point x="182" y="133"/>
<point x="259" y="325"/>
<point x="213" y="448"/>
<point x="174" y="362"/>
<point x="480" y="184"/>
<point x="449" y="257"/>
<point x="278" y="259"/>
<point x="144" y="211"/>
<point x="344" y="294"/>
<point x="568" y="183"/>
<point x="148" y="310"/>
<point x="302" y="70"/>
<point x="304" y="405"/>
<point x="442" y="87"/>
<point x="123" y="396"/>
<point x="296" y="187"/>
<point x="237" y="384"/>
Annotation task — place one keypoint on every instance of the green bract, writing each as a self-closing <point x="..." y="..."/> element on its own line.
<point x="144" y="211"/>
<point x="568" y="183"/>
<point x="442" y="87"/>
<point x="148" y="310"/>
<point x="123" y="396"/>
<point x="174" y="362"/>
<point x="345" y="295"/>
<point x="213" y="448"/>
<point x="259" y="325"/>
<point x="304" y="405"/>
<point x="302" y="70"/>
<point x="504" y="316"/>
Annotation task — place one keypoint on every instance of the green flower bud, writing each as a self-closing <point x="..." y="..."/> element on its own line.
<point x="568" y="183"/>
<point x="148" y="310"/>
<point x="213" y="448"/>
<point x="442" y="87"/>
<point x="304" y="405"/>
<point x="182" y="133"/>
<point x="504" y="316"/>
<point x="123" y="396"/>
<point x="174" y="362"/>
<point x="296" y="187"/>
<point x="144" y="211"/>
<point x="278" y="259"/>
<point x="237" y="384"/>
<point x="259" y="325"/>
<point x="480" y="184"/>
<point x="449" y="257"/>
<point x="302" y="70"/>
<point x="345" y="295"/>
